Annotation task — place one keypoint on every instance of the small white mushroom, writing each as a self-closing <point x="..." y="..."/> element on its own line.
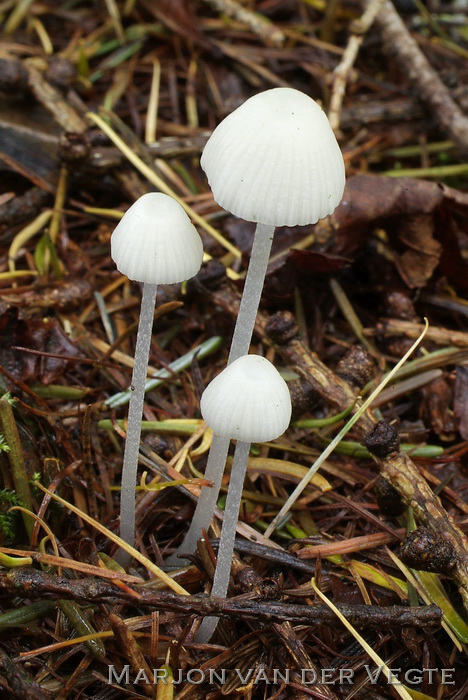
<point x="154" y="243"/>
<point x="275" y="160"/>
<point x="249" y="401"/>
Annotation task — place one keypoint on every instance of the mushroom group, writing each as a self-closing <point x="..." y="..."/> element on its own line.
<point x="274" y="161"/>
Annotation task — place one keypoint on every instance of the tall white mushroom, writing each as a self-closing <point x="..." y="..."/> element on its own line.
<point x="154" y="243"/>
<point x="274" y="161"/>
<point x="249" y="401"/>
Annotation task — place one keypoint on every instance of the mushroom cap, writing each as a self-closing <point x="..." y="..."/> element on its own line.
<point x="275" y="160"/>
<point x="156" y="242"/>
<point x="248" y="401"/>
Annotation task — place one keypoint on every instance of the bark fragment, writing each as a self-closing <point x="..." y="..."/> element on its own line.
<point x="382" y="440"/>
<point x="426" y="551"/>
<point x="388" y="498"/>
<point x="357" y="367"/>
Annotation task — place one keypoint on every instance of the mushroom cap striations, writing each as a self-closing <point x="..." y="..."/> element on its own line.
<point x="275" y="160"/>
<point x="248" y="401"/>
<point x="156" y="242"/>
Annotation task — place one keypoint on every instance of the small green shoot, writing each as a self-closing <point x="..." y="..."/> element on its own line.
<point x="8" y="520"/>
<point x="200" y="352"/>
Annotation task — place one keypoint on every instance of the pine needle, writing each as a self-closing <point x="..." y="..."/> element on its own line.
<point x="400" y="689"/>
<point x="115" y="538"/>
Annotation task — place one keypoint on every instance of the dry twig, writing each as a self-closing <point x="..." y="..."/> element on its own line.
<point x="399" y="44"/>
<point x="53" y="101"/>
<point x="358" y="28"/>
<point x="441" y="336"/>
<point x="257" y="23"/>
<point x="20" y="684"/>
<point x="22" y="582"/>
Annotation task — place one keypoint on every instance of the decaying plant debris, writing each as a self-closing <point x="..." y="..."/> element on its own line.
<point x="103" y="102"/>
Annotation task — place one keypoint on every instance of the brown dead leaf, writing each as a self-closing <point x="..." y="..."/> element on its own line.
<point x="371" y="200"/>
<point x="306" y="261"/>
<point x="368" y="198"/>
<point x="180" y="11"/>
<point x="439" y="399"/>
<point x="417" y="264"/>
<point x="61" y="295"/>
<point x="285" y="274"/>
<point x="452" y="262"/>
<point x="14" y="331"/>
<point x="36" y="334"/>
<point x="455" y="198"/>
<point x="345" y="594"/>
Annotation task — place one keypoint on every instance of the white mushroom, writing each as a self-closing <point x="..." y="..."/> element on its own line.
<point x="275" y="160"/>
<point x="154" y="243"/>
<point x="249" y="401"/>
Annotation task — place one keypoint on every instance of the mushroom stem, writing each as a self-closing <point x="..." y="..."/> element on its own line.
<point x="252" y="291"/>
<point x="207" y="500"/>
<point x="239" y="346"/>
<point x="228" y="536"/>
<point x="135" y="412"/>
